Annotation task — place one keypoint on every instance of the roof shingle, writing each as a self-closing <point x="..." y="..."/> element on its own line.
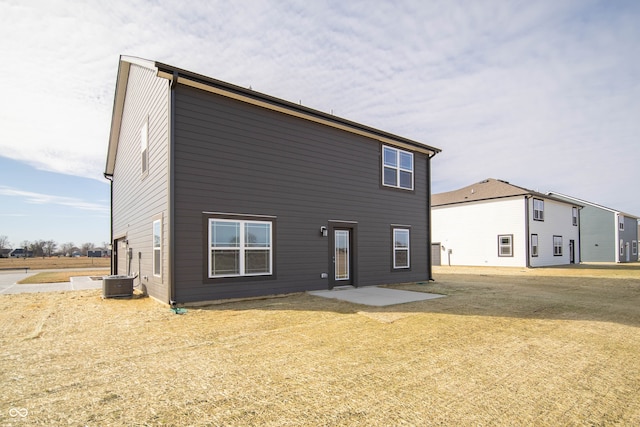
<point x="484" y="190"/>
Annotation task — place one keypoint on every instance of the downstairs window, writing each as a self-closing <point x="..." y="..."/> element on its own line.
<point x="401" y="248"/>
<point x="157" y="248"/>
<point x="557" y="245"/>
<point x="240" y="248"/>
<point x="505" y="245"/>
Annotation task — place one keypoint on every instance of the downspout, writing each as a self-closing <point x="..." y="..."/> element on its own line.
<point x="616" y="219"/>
<point x="110" y="178"/>
<point x="170" y="195"/>
<point x="526" y="231"/>
<point x="429" y="258"/>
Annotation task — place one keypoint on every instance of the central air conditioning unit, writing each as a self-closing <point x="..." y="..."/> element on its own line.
<point x="117" y="286"/>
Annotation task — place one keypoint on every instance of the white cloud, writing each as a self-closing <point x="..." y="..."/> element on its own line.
<point x="538" y="93"/>
<point x="49" y="199"/>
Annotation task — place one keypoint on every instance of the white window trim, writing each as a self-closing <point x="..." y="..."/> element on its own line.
<point x="242" y="249"/>
<point x="574" y="216"/>
<point x="398" y="168"/>
<point x="346" y="273"/>
<point x="621" y="247"/>
<point x="536" y="246"/>
<point x="557" y="246"/>
<point x="510" y="245"/>
<point x="397" y="248"/>
<point x="634" y="247"/>
<point x="538" y="214"/>
<point x="157" y="248"/>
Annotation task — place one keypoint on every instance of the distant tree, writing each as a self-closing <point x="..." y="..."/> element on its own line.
<point x="4" y="242"/>
<point x="67" y="248"/>
<point x="86" y="247"/>
<point x="49" y="247"/>
<point x="26" y="245"/>
<point x="37" y="247"/>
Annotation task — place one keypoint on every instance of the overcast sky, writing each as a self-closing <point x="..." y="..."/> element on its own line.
<point x="543" y="94"/>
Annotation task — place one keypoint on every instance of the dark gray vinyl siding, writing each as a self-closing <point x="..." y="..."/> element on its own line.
<point x="629" y="234"/>
<point x="238" y="158"/>
<point x="137" y="199"/>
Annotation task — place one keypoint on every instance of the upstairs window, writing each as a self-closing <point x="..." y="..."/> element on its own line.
<point x="397" y="168"/>
<point x="538" y="209"/>
<point x="621" y="223"/>
<point x="144" y="147"/>
<point x="574" y="215"/>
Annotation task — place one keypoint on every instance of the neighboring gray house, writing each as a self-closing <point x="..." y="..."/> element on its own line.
<point x="606" y="235"/>
<point x="98" y="253"/>
<point x="218" y="191"/>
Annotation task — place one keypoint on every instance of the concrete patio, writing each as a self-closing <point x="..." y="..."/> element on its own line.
<point x="374" y="295"/>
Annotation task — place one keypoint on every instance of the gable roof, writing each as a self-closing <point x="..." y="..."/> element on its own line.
<point x="595" y="205"/>
<point x="487" y="189"/>
<point x="179" y="76"/>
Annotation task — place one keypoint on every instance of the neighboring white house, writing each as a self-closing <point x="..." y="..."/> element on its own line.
<point x="606" y="235"/>
<point x="495" y="223"/>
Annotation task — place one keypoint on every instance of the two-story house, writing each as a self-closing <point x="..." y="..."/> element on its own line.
<point x="606" y="235"/>
<point x="495" y="223"/>
<point x="219" y="191"/>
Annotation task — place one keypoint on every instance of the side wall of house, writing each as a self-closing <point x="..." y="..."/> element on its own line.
<point x="468" y="232"/>
<point x="140" y="198"/>
<point x="597" y="230"/>
<point x="638" y="241"/>
<point x="558" y="221"/>
<point x="626" y="238"/>
<point x="239" y="160"/>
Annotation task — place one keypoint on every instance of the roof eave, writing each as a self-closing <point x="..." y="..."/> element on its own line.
<point x="484" y="199"/>
<point x="122" y="80"/>
<point x="188" y="78"/>
<point x="248" y="95"/>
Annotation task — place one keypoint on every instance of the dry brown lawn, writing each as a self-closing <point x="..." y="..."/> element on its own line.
<point x="62" y="276"/>
<point x="100" y="266"/>
<point x="49" y="263"/>
<point x="509" y="347"/>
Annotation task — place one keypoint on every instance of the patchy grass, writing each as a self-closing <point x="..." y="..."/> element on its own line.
<point x="61" y="276"/>
<point x="55" y="263"/>
<point x="605" y="270"/>
<point x="515" y="347"/>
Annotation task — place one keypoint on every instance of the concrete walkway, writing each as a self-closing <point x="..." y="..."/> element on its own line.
<point x="374" y="296"/>
<point x="8" y="284"/>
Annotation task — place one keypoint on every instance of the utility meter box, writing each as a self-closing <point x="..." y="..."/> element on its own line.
<point x="117" y="286"/>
